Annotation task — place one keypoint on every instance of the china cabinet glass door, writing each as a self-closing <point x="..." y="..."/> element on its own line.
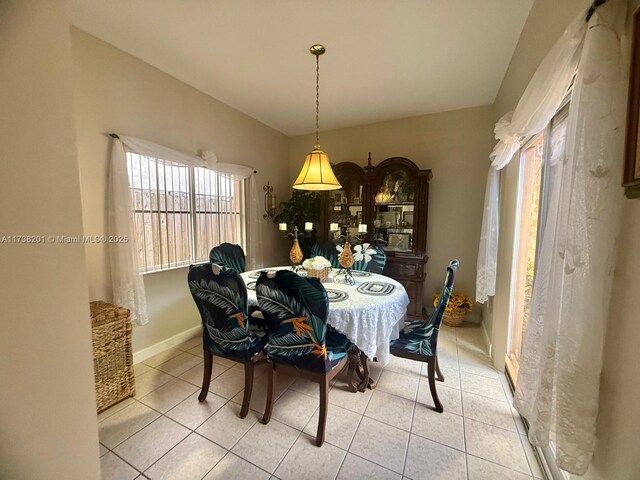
<point x="393" y="212"/>
<point x="346" y="204"/>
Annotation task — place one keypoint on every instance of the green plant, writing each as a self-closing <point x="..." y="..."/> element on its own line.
<point x="303" y="206"/>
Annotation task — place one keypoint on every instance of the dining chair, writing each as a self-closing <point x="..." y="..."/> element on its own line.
<point x="327" y="250"/>
<point x="376" y="264"/>
<point x="228" y="255"/>
<point x="419" y="339"/>
<point x="299" y="342"/>
<point x="221" y="297"/>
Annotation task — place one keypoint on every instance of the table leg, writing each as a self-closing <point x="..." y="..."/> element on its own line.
<point x="359" y="367"/>
<point x="354" y="360"/>
<point x="363" y="373"/>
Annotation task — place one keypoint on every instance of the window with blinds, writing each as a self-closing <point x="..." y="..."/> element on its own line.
<point x="181" y="212"/>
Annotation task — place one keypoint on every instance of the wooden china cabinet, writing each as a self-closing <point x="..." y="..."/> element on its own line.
<point x="392" y="199"/>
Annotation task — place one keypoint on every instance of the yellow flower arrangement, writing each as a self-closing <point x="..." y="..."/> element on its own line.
<point x="456" y="301"/>
<point x="459" y="305"/>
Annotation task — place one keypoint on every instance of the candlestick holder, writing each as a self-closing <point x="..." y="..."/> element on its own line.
<point x="358" y="237"/>
<point x="345" y="260"/>
<point x="295" y="254"/>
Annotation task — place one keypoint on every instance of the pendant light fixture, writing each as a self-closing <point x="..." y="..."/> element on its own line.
<point x="316" y="173"/>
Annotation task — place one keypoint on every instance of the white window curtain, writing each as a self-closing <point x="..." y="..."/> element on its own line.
<point x="561" y="360"/>
<point x="539" y="103"/>
<point x="127" y="282"/>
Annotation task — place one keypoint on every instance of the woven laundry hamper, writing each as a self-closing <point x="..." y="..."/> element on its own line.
<point x="112" y="356"/>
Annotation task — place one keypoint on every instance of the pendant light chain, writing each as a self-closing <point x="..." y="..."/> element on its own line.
<point x="317" y="97"/>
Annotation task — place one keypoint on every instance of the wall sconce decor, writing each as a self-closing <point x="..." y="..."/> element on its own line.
<point x="269" y="202"/>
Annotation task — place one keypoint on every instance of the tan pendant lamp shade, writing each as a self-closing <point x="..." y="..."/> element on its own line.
<point x="316" y="173"/>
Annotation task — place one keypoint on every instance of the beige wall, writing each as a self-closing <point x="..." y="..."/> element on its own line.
<point x="456" y="146"/>
<point x="116" y="92"/>
<point x="47" y="400"/>
<point x="615" y="455"/>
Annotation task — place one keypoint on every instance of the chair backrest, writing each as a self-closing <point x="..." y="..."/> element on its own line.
<point x="376" y="264"/>
<point x="295" y="309"/>
<point x="327" y="250"/>
<point x="228" y="255"/>
<point x="221" y="299"/>
<point x="443" y="300"/>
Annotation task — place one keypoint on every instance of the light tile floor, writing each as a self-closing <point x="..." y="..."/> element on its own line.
<point x="388" y="433"/>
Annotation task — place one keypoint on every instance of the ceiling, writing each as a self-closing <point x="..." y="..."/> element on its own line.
<point x="385" y="59"/>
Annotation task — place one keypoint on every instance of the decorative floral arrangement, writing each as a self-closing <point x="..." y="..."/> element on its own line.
<point x="360" y="252"/>
<point x="316" y="263"/>
<point x="456" y="301"/>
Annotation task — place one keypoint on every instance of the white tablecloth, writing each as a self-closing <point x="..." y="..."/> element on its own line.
<point x="369" y="321"/>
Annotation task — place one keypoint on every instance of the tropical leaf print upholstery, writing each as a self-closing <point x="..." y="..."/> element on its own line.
<point x="329" y="251"/>
<point x="222" y="301"/>
<point x="326" y="250"/>
<point x="228" y="255"/>
<point x="421" y="337"/>
<point x="296" y="310"/>
<point x="375" y="265"/>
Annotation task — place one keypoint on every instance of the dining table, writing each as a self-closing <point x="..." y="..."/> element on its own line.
<point x="370" y="313"/>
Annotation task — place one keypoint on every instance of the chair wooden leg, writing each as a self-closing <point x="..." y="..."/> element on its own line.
<point x="324" y="403"/>
<point x="439" y="376"/>
<point x="431" y="366"/>
<point x="206" y="378"/>
<point x="270" y="388"/>
<point x="248" y="387"/>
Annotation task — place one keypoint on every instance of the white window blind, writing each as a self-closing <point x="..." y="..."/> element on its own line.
<point x="181" y="212"/>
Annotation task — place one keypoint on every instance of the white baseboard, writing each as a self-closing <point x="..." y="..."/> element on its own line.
<point x="142" y="355"/>
<point x="487" y="340"/>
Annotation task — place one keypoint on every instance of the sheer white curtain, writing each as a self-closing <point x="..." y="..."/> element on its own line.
<point x="539" y="103"/>
<point x="561" y="360"/>
<point x="488" y="253"/>
<point x="127" y="282"/>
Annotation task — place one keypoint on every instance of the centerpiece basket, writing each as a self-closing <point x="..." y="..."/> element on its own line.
<point x="317" y="267"/>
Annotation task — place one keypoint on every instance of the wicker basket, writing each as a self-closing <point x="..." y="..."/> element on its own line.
<point x="112" y="356"/>
<point x="323" y="274"/>
<point x="455" y="317"/>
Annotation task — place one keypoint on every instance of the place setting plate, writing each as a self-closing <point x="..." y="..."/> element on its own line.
<point x="376" y="288"/>
<point x="360" y="273"/>
<point x="336" y="295"/>
<point x="251" y="286"/>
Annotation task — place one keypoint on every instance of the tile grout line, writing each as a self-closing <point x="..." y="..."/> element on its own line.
<point x="464" y="427"/>
<point x="413" y="414"/>
<point x="348" y="450"/>
<point x="459" y="347"/>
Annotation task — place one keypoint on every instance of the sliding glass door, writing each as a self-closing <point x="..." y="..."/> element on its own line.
<point x="531" y="161"/>
<point x="541" y="161"/>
